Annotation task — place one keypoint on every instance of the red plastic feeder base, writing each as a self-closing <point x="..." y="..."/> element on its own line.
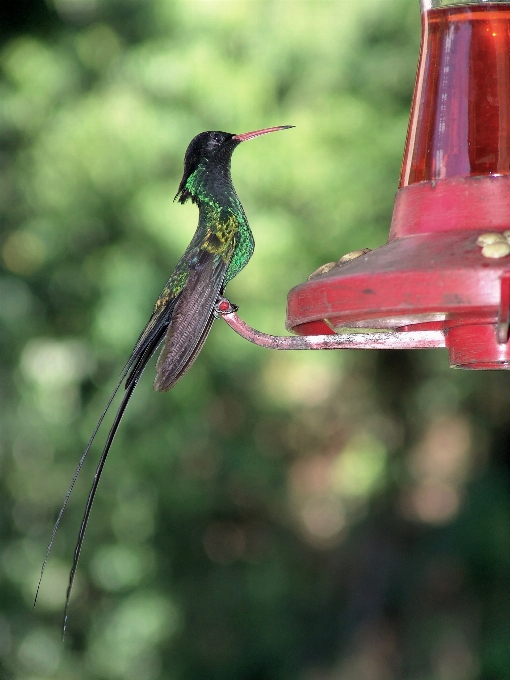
<point x="431" y="275"/>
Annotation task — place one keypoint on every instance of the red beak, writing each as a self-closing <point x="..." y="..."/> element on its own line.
<point x="256" y="133"/>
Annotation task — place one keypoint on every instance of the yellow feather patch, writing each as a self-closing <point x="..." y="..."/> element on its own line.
<point x="219" y="239"/>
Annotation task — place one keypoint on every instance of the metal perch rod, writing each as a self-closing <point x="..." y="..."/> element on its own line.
<point x="377" y="340"/>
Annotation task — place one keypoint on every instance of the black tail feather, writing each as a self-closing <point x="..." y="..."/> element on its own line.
<point x="75" y="477"/>
<point x="145" y="347"/>
<point x="92" y="493"/>
<point x="140" y="362"/>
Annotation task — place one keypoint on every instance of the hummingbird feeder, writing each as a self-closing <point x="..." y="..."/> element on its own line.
<point x="443" y="277"/>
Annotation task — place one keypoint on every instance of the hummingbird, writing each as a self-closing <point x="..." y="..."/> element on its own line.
<point x="184" y="312"/>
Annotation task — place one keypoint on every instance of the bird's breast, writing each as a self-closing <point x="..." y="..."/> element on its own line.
<point x="220" y="235"/>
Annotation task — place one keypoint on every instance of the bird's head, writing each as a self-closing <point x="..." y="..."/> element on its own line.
<point x="216" y="148"/>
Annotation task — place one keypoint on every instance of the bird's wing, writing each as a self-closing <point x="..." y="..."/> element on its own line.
<point x="192" y="318"/>
<point x="150" y="338"/>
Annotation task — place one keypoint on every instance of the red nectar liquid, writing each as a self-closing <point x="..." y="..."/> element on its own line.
<point x="460" y="118"/>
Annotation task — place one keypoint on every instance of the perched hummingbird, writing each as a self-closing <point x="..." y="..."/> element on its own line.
<point x="183" y="314"/>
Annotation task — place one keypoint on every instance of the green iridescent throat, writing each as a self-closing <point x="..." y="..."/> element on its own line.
<point x="221" y="213"/>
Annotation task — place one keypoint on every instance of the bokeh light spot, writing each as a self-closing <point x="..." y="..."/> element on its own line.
<point x="52" y="593"/>
<point x="360" y="467"/>
<point x="307" y="379"/>
<point x="323" y="517"/>
<point x="126" y="646"/>
<point x="23" y="253"/>
<point x="116" y="567"/>
<point x="97" y="46"/>
<point x="433" y="502"/>
<point x="56" y="363"/>
<point x="40" y="652"/>
<point x="440" y="465"/>
<point x="76" y="10"/>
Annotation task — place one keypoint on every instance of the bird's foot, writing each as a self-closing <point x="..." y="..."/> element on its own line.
<point x="224" y="306"/>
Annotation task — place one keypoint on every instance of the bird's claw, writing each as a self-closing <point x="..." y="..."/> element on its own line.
<point x="224" y="306"/>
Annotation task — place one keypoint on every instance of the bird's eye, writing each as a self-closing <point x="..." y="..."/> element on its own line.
<point x="214" y="142"/>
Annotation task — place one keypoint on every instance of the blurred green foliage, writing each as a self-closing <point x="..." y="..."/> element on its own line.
<point x="328" y="516"/>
